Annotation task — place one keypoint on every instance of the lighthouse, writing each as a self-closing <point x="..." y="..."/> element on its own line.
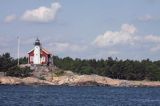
<point x="37" y="49"/>
<point x="38" y="55"/>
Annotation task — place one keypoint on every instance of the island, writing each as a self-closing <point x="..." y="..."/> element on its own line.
<point x="68" y="78"/>
<point x="77" y="72"/>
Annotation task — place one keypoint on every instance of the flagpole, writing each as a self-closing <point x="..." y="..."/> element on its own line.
<point x="18" y="49"/>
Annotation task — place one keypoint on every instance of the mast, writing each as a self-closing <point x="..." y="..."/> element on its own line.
<point x="18" y="38"/>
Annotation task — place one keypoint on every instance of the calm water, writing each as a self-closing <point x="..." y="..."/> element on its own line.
<point x="77" y="96"/>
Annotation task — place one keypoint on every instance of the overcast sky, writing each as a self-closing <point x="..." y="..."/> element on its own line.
<point x="127" y="29"/>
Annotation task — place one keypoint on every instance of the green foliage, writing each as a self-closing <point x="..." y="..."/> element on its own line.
<point x="23" y="60"/>
<point x="9" y="66"/>
<point x="6" y="61"/>
<point x="59" y="73"/>
<point x="42" y="78"/>
<point x="114" y="68"/>
<point x="19" y="72"/>
<point x="86" y="70"/>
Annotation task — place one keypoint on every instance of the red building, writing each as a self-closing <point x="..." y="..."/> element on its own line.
<point x="39" y="55"/>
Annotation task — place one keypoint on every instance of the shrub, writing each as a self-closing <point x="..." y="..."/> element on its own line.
<point x="59" y="73"/>
<point x="19" y="72"/>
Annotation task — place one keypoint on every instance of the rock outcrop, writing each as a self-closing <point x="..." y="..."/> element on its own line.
<point x="99" y="80"/>
<point x="25" y="81"/>
<point x="71" y="79"/>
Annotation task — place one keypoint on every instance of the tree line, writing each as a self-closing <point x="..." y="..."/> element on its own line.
<point x="113" y="68"/>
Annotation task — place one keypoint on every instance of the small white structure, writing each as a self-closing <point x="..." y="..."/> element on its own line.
<point x="37" y="48"/>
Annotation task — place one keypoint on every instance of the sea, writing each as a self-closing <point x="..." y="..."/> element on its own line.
<point x="44" y="95"/>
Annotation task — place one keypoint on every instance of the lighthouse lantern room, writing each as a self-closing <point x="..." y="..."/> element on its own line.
<point x="38" y="55"/>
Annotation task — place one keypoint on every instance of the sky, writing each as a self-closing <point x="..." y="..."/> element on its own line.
<point x="87" y="29"/>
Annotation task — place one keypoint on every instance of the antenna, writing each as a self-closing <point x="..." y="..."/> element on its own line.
<point x="18" y="38"/>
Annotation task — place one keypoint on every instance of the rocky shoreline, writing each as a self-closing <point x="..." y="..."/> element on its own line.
<point x="71" y="79"/>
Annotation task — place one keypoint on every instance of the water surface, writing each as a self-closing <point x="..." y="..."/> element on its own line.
<point x="77" y="96"/>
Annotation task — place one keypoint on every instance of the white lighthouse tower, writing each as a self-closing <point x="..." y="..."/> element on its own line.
<point x="37" y="51"/>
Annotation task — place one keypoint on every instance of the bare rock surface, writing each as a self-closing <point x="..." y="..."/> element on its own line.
<point x="51" y="75"/>
<point x="75" y="79"/>
<point x="25" y="81"/>
<point x="71" y="79"/>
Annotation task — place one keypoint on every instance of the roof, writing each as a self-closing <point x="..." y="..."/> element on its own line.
<point x="30" y="51"/>
<point x="47" y="52"/>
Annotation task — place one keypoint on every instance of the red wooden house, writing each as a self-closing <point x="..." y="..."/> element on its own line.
<point x="39" y="55"/>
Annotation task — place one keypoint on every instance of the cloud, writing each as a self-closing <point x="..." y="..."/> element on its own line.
<point x="130" y="29"/>
<point x="146" y="18"/>
<point x="127" y="36"/>
<point x="61" y="47"/>
<point x="10" y="18"/>
<point x="152" y="38"/>
<point x="113" y="52"/>
<point x="155" y="49"/>
<point x="124" y="36"/>
<point x="42" y="14"/>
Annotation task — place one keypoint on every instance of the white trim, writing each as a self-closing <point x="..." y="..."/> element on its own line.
<point x="30" y="51"/>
